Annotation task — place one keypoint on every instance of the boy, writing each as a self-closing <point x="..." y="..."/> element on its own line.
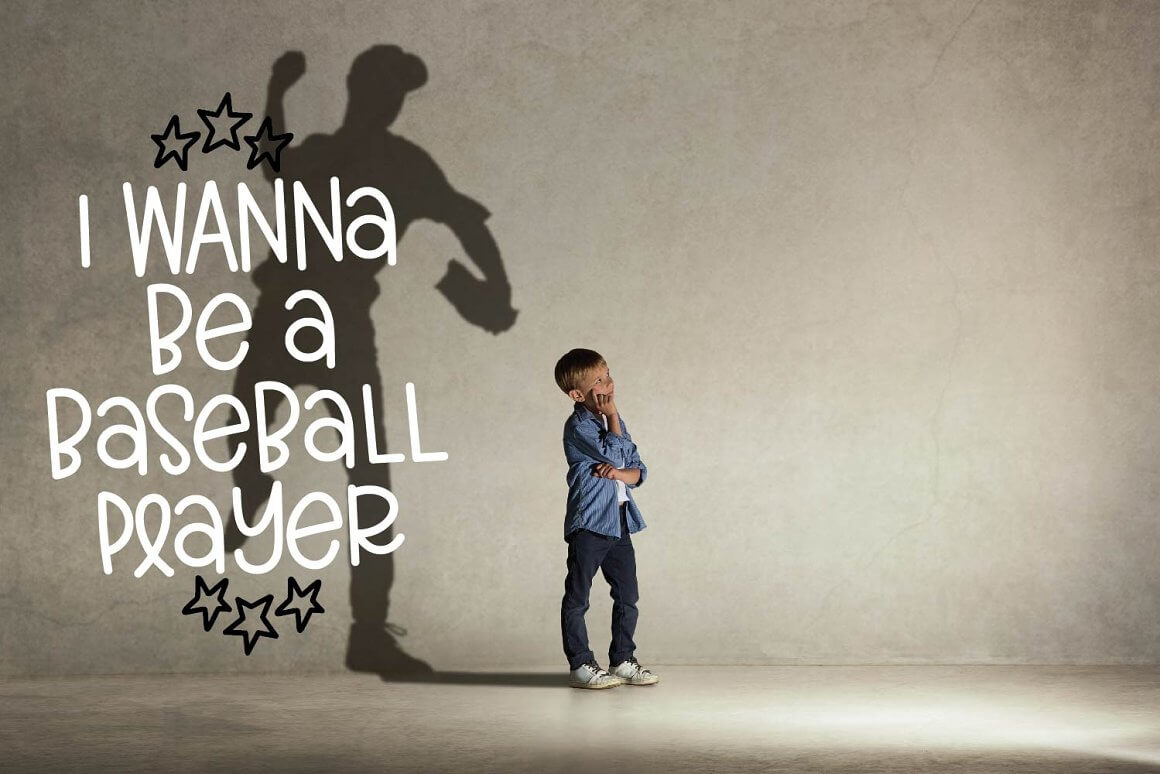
<point x="603" y="464"/>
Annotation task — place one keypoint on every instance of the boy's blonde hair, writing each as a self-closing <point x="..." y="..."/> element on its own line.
<point x="574" y="366"/>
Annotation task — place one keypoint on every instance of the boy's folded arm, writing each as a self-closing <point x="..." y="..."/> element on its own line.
<point x="638" y="465"/>
<point x="590" y="448"/>
<point x="630" y="476"/>
<point x="634" y="460"/>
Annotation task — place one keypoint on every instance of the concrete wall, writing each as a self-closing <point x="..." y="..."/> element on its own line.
<point x="877" y="281"/>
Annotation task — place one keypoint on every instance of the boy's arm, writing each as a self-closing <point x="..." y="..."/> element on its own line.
<point x="634" y="471"/>
<point x="612" y="422"/>
<point x="632" y="476"/>
<point x="583" y="440"/>
<point x="635" y="465"/>
<point x="640" y="469"/>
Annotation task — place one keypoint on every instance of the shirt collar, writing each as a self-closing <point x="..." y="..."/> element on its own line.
<point x="582" y="410"/>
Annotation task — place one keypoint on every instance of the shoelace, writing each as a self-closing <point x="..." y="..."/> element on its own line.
<point x="636" y="667"/>
<point x="600" y="672"/>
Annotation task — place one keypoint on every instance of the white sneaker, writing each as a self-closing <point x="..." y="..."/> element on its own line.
<point x="633" y="673"/>
<point x="590" y="675"/>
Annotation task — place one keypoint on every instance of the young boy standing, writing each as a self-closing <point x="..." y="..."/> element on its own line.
<point x="603" y="464"/>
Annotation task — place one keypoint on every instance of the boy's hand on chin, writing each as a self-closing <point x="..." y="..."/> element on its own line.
<point x="605" y="405"/>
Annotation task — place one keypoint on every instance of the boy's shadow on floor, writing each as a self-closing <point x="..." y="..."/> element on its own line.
<point x="506" y="679"/>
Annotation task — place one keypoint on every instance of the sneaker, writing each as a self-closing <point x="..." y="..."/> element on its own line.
<point x="631" y="672"/>
<point x="590" y="675"/>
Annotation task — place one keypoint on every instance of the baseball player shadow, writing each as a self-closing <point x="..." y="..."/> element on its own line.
<point x="361" y="152"/>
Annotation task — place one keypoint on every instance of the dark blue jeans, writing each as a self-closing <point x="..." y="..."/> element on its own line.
<point x="615" y="557"/>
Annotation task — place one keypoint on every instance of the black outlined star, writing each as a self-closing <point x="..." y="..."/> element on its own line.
<point x="167" y="148"/>
<point x="260" y="148"/>
<point x="219" y="125"/>
<point x="250" y="635"/>
<point x="202" y="591"/>
<point x="294" y="593"/>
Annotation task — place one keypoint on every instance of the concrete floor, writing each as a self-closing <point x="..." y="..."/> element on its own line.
<point x="742" y="719"/>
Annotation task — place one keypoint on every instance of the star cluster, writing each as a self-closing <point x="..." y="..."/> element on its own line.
<point x="253" y="622"/>
<point x="221" y="125"/>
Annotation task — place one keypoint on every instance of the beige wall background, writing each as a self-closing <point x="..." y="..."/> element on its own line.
<point x="878" y="283"/>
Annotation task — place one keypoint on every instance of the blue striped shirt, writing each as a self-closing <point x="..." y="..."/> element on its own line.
<point x="592" y="501"/>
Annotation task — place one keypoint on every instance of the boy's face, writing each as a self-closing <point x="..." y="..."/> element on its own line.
<point x="597" y="381"/>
